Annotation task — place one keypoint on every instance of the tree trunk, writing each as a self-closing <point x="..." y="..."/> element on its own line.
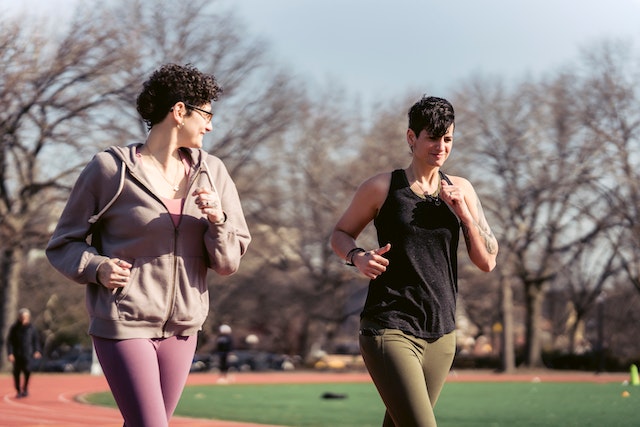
<point x="10" y="271"/>
<point x="576" y="330"/>
<point x="303" y="338"/>
<point x="508" y="345"/>
<point x="535" y="298"/>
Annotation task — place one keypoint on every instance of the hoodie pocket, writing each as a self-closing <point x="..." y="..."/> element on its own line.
<point x="148" y="294"/>
<point x="191" y="304"/>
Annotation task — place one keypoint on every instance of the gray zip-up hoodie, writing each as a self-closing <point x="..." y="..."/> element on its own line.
<point x="167" y="291"/>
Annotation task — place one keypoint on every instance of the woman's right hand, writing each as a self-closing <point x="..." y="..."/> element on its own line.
<point x="371" y="263"/>
<point x="114" y="273"/>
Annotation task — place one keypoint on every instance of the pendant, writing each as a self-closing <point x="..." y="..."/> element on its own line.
<point x="434" y="199"/>
<point x="176" y="187"/>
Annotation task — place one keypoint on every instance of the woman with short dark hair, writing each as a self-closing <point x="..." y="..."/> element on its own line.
<point x="407" y="328"/>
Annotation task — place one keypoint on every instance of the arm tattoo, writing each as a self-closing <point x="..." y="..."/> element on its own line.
<point x="485" y="232"/>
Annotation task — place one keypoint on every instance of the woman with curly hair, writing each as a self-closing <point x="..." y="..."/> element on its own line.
<point x="407" y="335"/>
<point x="142" y="226"/>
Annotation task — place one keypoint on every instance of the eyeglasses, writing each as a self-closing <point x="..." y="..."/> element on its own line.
<point x="208" y="115"/>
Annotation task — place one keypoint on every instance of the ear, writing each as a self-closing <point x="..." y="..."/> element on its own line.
<point x="411" y="136"/>
<point x="179" y="110"/>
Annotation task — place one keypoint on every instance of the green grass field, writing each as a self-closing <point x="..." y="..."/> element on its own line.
<point x="460" y="405"/>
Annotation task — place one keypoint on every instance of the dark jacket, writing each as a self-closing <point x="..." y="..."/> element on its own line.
<point x="23" y="341"/>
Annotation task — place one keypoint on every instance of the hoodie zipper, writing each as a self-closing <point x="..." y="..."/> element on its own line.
<point x="174" y="287"/>
<point x="174" y="272"/>
<point x="176" y="235"/>
<point x="192" y="179"/>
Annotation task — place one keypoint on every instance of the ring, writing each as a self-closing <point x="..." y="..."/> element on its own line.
<point x="450" y="194"/>
<point x="206" y="203"/>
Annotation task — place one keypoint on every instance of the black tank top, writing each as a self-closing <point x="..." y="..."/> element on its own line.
<point x="417" y="294"/>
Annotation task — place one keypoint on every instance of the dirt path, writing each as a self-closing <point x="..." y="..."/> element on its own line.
<point x="55" y="399"/>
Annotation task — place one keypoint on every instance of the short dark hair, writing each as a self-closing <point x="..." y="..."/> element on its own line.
<point x="432" y="114"/>
<point x="173" y="83"/>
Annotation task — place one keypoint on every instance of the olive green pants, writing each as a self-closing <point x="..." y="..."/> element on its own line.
<point x="408" y="372"/>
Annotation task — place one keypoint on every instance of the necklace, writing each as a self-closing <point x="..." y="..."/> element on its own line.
<point x="433" y="197"/>
<point x="175" y="185"/>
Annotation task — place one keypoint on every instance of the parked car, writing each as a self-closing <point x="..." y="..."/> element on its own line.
<point x="201" y="363"/>
<point x="74" y="361"/>
<point x="242" y="361"/>
<point x="253" y="360"/>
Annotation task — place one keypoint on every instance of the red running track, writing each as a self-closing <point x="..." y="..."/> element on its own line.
<point x="55" y="400"/>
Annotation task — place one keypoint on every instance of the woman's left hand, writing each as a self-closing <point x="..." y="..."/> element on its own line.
<point x="209" y="204"/>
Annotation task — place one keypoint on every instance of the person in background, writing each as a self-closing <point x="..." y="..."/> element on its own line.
<point x="224" y="346"/>
<point x="23" y="345"/>
<point x="407" y="335"/>
<point x="159" y="214"/>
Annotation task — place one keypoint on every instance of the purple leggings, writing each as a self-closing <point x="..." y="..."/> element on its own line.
<point x="146" y="376"/>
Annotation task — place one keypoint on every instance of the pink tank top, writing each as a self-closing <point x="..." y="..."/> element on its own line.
<point x="175" y="209"/>
<point x="175" y="205"/>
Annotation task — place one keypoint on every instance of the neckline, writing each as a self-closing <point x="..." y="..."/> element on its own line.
<point x="185" y="162"/>
<point x="427" y="197"/>
<point x="408" y="184"/>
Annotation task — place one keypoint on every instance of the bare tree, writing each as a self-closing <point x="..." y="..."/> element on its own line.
<point x="542" y="167"/>
<point x="50" y="90"/>
<point x="592" y="268"/>
<point x="299" y="201"/>
<point x="612" y="114"/>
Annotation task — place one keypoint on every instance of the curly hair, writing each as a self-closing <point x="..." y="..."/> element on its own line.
<point x="432" y="114"/>
<point x="173" y="83"/>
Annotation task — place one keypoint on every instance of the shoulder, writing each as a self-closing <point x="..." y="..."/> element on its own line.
<point x="372" y="193"/>
<point x="466" y="187"/>
<point x="211" y="159"/>
<point x="203" y="158"/>
<point x="103" y="170"/>
<point x="377" y="183"/>
<point x="461" y="182"/>
<point x="102" y="163"/>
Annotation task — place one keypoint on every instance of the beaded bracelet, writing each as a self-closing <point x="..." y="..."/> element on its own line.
<point x="349" y="257"/>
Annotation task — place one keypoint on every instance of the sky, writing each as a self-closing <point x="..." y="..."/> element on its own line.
<point x="387" y="47"/>
<point x="376" y="49"/>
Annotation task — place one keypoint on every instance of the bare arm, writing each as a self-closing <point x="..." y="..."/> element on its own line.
<point x="363" y="209"/>
<point x="482" y="245"/>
